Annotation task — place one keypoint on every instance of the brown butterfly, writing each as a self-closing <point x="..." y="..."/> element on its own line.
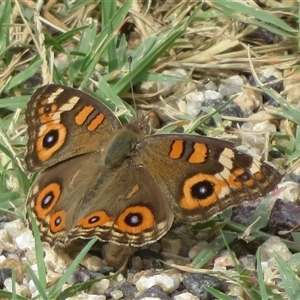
<point x="105" y="180"/>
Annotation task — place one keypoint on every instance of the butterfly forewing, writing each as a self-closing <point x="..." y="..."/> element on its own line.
<point x="58" y="117"/>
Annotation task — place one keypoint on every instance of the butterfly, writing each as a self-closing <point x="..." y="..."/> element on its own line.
<point x="101" y="179"/>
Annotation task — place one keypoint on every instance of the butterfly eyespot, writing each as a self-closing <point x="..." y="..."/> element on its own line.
<point x="50" y="139"/>
<point x="202" y="190"/>
<point x="245" y="176"/>
<point x="135" y="219"/>
<point x="54" y="136"/>
<point x="58" y="221"/>
<point x="50" y="108"/>
<point x="47" y="199"/>
<point x="97" y="218"/>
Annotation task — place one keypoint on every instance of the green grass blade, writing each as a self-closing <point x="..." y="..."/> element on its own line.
<point x="260" y="276"/>
<point x="217" y="294"/>
<point x="289" y="279"/>
<point x="26" y="74"/>
<point x="39" y="252"/>
<point x="39" y="286"/>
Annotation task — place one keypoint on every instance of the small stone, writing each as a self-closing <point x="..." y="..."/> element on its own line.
<point x="19" y="289"/>
<point x="56" y="260"/>
<point x="148" y="87"/>
<point x="175" y="259"/>
<point x="212" y="95"/>
<point x="4" y="274"/>
<point x="248" y="262"/>
<point x="128" y="290"/>
<point x="197" y="248"/>
<point x="93" y="263"/>
<point x="14" y="264"/>
<point x="185" y="296"/>
<point x="148" y="260"/>
<point x="14" y="228"/>
<point x="271" y="71"/>
<point x="100" y="287"/>
<point x="224" y="261"/>
<point x="195" y="283"/>
<point x="5" y="240"/>
<point x="255" y="133"/>
<point x="168" y="283"/>
<point x="137" y="263"/>
<point x="80" y="275"/>
<point x="153" y="293"/>
<point x="167" y="88"/>
<point x="249" y="99"/>
<point x="194" y="100"/>
<point x="270" y="247"/>
<point x="25" y="240"/>
<point x="290" y="192"/>
<point x="84" y="296"/>
<point x="231" y="86"/>
<point x="236" y="291"/>
<point x="211" y="86"/>
<point x="116" y="294"/>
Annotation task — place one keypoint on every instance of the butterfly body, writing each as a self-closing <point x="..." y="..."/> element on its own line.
<point x="120" y="185"/>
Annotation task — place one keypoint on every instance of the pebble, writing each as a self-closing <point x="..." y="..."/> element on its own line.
<point x="224" y="260"/>
<point x="100" y="287"/>
<point x="185" y="296"/>
<point x="290" y="192"/>
<point x="93" y="263"/>
<point x="128" y="290"/>
<point x="167" y="88"/>
<point x="25" y="240"/>
<point x="197" y="248"/>
<point x="84" y="296"/>
<point x="195" y="283"/>
<point x="116" y="294"/>
<point x="249" y="99"/>
<point x="273" y="246"/>
<point x="154" y="292"/>
<point x="171" y="258"/>
<point x="168" y="283"/>
<point x="231" y="86"/>
<point x="194" y="101"/>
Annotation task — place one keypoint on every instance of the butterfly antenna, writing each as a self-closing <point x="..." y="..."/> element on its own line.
<point x="131" y="84"/>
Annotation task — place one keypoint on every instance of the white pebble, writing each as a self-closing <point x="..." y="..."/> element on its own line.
<point x="185" y="296"/>
<point x="168" y="283"/>
<point x="116" y="294"/>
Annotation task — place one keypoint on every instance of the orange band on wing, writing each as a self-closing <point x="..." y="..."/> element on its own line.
<point x="83" y="114"/>
<point x="199" y="154"/>
<point x="176" y="149"/>
<point x="96" y="122"/>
